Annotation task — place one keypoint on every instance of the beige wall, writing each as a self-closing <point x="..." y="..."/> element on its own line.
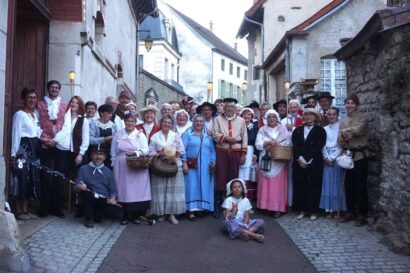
<point x="3" y="48"/>
<point x="94" y="81"/>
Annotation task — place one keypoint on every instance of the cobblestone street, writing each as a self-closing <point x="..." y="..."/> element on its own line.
<point x="342" y="248"/>
<point x="65" y="245"/>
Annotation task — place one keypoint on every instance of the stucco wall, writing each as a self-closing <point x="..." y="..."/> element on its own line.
<point x="274" y="30"/>
<point x="382" y="82"/>
<point x="324" y="38"/>
<point x="93" y="79"/>
<point x="154" y="60"/>
<point x="3" y="48"/>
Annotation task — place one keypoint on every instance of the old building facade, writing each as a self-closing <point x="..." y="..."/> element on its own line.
<point x="209" y="68"/>
<point x="378" y="71"/>
<point x="306" y="50"/>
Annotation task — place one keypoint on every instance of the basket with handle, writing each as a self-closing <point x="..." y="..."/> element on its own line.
<point x="138" y="162"/>
<point x="281" y="153"/>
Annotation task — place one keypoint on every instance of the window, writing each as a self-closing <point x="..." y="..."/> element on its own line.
<point x="223" y="89"/>
<point x="223" y="65"/>
<point x="256" y="72"/>
<point x="239" y="94"/>
<point x="333" y="80"/>
<point x="231" y="69"/>
<point x="238" y="72"/>
<point x="166" y="69"/>
<point x="141" y="60"/>
<point x="245" y="75"/>
<point x="396" y="3"/>
<point x="173" y="72"/>
<point x="231" y="90"/>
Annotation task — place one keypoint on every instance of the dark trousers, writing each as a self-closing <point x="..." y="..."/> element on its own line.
<point x="227" y="168"/>
<point x="356" y="187"/>
<point x="96" y="209"/>
<point x="47" y="158"/>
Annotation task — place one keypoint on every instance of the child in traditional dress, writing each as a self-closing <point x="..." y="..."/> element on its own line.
<point x="96" y="180"/>
<point x="237" y="221"/>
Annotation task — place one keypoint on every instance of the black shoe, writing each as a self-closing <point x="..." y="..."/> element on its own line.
<point x="191" y="217"/>
<point x="79" y="213"/>
<point x="58" y="213"/>
<point x="89" y="224"/>
<point x="277" y="214"/>
<point x="136" y="221"/>
<point x="152" y="222"/>
<point x="124" y="222"/>
<point x="42" y="214"/>
<point x="98" y="220"/>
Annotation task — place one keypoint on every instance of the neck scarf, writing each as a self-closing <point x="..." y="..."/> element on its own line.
<point x="96" y="168"/>
<point x="159" y="138"/>
<point x="52" y="107"/>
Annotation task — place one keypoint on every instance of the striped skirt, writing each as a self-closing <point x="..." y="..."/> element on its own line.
<point x="168" y="194"/>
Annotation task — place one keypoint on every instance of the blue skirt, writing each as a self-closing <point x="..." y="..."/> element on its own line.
<point x="331" y="189"/>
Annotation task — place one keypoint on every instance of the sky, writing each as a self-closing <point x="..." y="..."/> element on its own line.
<point x="226" y="16"/>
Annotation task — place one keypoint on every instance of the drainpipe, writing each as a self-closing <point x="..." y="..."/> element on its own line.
<point x="262" y="48"/>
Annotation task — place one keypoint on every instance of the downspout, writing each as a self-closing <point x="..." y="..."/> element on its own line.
<point x="262" y="48"/>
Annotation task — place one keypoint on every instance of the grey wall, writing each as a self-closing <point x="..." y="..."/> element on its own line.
<point x="382" y="83"/>
<point x="165" y="91"/>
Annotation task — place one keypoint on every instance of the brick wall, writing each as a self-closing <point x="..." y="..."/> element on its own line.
<point x="381" y="78"/>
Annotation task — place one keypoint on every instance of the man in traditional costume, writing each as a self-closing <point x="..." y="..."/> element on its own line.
<point x="231" y="137"/>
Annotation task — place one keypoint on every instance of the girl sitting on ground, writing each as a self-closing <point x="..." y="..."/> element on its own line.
<point x="237" y="221"/>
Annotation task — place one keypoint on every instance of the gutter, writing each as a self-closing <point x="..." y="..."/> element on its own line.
<point x="327" y="15"/>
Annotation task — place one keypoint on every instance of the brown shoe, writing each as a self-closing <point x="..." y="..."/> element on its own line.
<point x="347" y="218"/>
<point x="361" y="221"/>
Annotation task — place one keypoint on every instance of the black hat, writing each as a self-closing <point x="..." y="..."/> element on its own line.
<point x="305" y="100"/>
<point x="187" y="99"/>
<point x="276" y="104"/>
<point x="102" y="148"/>
<point x="253" y="104"/>
<point x="226" y="100"/>
<point x="212" y="106"/>
<point x="325" y="94"/>
<point x="105" y="108"/>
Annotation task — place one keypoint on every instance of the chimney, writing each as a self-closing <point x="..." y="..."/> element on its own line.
<point x="211" y="26"/>
<point x="235" y="45"/>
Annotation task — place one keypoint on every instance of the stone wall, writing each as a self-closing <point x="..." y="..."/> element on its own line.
<point x="380" y="76"/>
<point x="164" y="91"/>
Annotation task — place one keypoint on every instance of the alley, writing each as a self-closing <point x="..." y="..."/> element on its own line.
<point x="200" y="247"/>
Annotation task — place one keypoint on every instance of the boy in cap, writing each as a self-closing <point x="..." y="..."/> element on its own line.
<point x="96" y="180"/>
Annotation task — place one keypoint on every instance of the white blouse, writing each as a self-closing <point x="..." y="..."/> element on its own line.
<point x="64" y="138"/>
<point x="24" y="125"/>
<point x="332" y="149"/>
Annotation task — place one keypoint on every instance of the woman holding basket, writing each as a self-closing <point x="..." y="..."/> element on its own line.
<point x="273" y="175"/>
<point x="133" y="185"/>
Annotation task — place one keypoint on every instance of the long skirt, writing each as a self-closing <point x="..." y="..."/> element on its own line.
<point x="25" y="181"/>
<point x="331" y="189"/>
<point x="273" y="191"/>
<point x="234" y="227"/>
<point x="168" y="194"/>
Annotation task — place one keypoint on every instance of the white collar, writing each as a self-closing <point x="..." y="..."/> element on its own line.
<point x="159" y="138"/>
<point x="52" y="107"/>
<point x="96" y="168"/>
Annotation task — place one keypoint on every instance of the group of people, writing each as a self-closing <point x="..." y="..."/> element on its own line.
<point x="222" y="153"/>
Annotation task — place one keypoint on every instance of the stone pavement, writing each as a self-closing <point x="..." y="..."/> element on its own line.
<point x="200" y="247"/>
<point x="65" y="245"/>
<point x="342" y="248"/>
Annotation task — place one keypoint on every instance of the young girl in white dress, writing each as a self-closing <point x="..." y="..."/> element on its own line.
<point x="237" y="222"/>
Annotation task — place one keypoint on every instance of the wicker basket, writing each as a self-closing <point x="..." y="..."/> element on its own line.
<point x="281" y="153"/>
<point x="136" y="163"/>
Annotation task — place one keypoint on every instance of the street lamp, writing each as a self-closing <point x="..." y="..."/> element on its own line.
<point x="244" y="88"/>
<point x="287" y="86"/>
<point x="210" y="88"/>
<point x="148" y="41"/>
<point x="71" y="76"/>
